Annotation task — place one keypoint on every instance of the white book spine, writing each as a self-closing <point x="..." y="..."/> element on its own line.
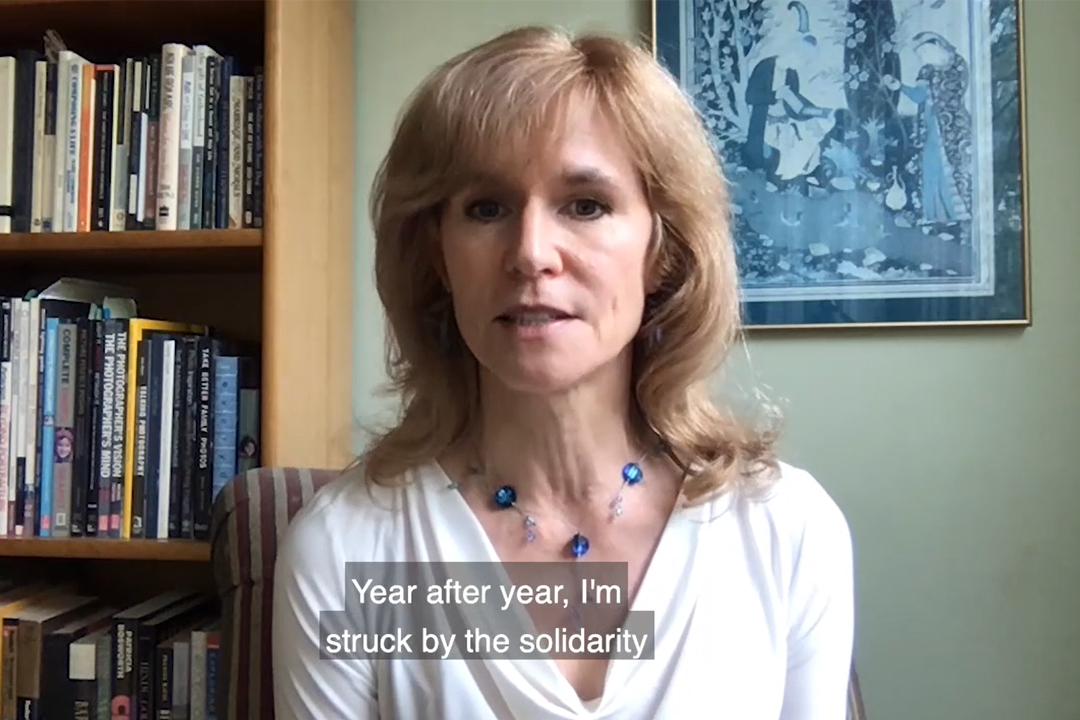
<point x="168" y="175"/>
<point x="37" y="188"/>
<point x="187" y="101"/>
<point x="72" y="144"/>
<point x="168" y="371"/>
<point x="60" y="141"/>
<point x="16" y="413"/>
<point x="5" y="441"/>
<point x="31" y="345"/>
<point x="236" y="151"/>
<point x="7" y="139"/>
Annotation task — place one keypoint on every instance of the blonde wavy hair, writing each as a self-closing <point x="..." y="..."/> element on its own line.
<point x="502" y="95"/>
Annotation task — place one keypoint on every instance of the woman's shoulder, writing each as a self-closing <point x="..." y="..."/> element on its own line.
<point x="349" y="519"/>
<point x="797" y="497"/>
<point x="796" y="510"/>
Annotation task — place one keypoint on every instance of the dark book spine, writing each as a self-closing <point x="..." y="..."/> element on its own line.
<point x="221" y="219"/>
<point x="154" y="118"/>
<point x="146" y="661"/>
<point x="142" y="404"/>
<point x="47" y="219"/>
<point x="257" y="157"/>
<point x="23" y="170"/>
<point x="93" y="475"/>
<point x="6" y="322"/>
<point x="175" y="477"/>
<point x="249" y="152"/>
<point x="33" y="484"/>
<point x="136" y="142"/>
<point x="203" y="495"/>
<point x="124" y="669"/>
<point x="119" y="125"/>
<point x="153" y="437"/>
<point x="213" y="667"/>
<point x="119" y="424"/>
<point x="8" y="656"/>
<point x="107" y="414"/>
<point x="136" y="127"/>
<point x="102" y="183"/>
<point x="163" y="682"/>
<point x="190" y="440"/>
<point x="85" y="700"/>
<point x="57" y="690"/>
<point x="103" y="662"/>
<point x="80" y="467"/>
<point x="210" y="150"/>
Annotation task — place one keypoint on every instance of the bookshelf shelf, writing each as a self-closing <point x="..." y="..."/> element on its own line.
<point x="215" y="250"/>
<point x="105" y="549"/>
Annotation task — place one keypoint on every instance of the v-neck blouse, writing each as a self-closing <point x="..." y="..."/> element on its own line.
<point x="752" y="600"/>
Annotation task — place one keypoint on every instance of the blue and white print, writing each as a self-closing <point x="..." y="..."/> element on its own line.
<point x="860" y="139"/>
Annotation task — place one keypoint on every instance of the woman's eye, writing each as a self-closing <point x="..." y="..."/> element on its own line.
<point x="587" y="208"/>
<point x="485" y="210"/>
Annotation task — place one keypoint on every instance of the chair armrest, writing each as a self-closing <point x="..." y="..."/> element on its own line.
<point x="249" y="516"/>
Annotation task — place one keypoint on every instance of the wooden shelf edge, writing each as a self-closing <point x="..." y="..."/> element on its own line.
<point x="93" y="548"/>
<point x="129" y="240"/>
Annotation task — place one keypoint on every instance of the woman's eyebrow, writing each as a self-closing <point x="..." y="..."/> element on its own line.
<point x="572" y="176"/>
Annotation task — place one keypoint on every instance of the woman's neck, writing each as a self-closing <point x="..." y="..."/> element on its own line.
<point x="558" y="449"/>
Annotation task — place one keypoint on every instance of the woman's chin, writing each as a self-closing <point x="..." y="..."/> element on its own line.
<point x="539" y="378"/>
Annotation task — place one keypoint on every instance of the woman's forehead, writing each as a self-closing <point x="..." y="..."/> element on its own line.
<point x="580" y="149"/>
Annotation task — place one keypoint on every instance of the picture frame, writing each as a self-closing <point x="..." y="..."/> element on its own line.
<point x="875" y="153"/>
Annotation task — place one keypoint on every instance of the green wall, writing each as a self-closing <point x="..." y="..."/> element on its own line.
<point x="949" y="450"/>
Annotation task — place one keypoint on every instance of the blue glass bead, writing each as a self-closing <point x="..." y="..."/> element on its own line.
<point x="579" y="545"/>
<point x="632" y="474"/>
<point x="505" y="497"/>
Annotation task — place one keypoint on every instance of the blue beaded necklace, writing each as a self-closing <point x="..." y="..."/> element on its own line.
<point x="505" y="498"/>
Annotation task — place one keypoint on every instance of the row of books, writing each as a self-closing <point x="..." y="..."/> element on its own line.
<point x="169" y="141"/>
<point x="64" y="654"/>
<point x="113" y="425"/>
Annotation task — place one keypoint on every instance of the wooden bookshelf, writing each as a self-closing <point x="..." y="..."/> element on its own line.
<point x="106" y="549"/>
<point x="286" y="285"/>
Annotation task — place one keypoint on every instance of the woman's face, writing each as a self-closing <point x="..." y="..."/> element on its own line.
<point x="932" y="54"/>
<point x="545" y="261"/>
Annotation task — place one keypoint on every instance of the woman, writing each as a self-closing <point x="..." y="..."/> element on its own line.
<point x="942" y="129"/>
<point x="553" y="255"/>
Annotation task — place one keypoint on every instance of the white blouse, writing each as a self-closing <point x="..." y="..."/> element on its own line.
<point x="753" y="602"/>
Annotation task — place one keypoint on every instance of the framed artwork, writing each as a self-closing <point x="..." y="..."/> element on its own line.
<point x="874" y="151"/>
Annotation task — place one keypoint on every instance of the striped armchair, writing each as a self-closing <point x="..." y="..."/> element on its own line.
<point x="249" y="516"/>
